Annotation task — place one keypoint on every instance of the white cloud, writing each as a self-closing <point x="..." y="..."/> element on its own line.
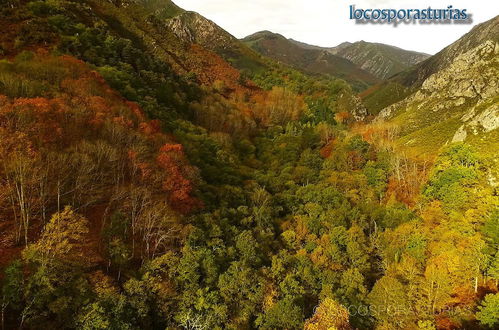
<point x="326" y="22"/>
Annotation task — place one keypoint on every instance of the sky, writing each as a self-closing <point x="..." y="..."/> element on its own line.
<point x="326" y="22"/>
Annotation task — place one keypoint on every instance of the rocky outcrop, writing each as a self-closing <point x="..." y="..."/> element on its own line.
<point x="413" y="78"/>
<point x="194" y="28"/>
<point x="471" y="75"/>
<point x="358" y="110"/>
<point x="416" y="75"/>
<point x="469" y="83"/>
<point x="485" y="121"/>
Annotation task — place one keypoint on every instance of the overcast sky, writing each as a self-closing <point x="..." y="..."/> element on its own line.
<point x="326" y="22"/>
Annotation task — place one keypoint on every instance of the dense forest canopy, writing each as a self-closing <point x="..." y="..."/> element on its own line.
<point x="147" y="183"/>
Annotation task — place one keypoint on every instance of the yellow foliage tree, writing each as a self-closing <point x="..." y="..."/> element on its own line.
<point x="329" y="315"/>
<point x="62" y="238"/>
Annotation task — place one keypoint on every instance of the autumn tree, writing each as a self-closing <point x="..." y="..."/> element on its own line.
<point x="20" y="175"/>
<point x="55" y="285"/>
<point x="62" y="238"/>
<point x="177" y="177"/>
<point x="389" y="302"/>
<point x="328" y="315"/>
<point x="278" y="107"/>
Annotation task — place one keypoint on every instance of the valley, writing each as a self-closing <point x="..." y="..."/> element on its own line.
<point x="156" y="172"/>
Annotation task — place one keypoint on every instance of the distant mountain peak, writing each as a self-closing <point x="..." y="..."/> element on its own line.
<point x="379" y="59"/>
<point x="309" y="58"/>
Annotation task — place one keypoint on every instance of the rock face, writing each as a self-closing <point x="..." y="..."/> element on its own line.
<point x="485" y="121"/>
<point x="457" y="104"/>
<point x="471" y="75"/>
<point x="356" y="108"/>
<point x="412" y="78"/>
<point x="194" y="28"/>
<point x="469" y="83"/>
<point x="479" y="34"/>
<point x="383" y="61"/>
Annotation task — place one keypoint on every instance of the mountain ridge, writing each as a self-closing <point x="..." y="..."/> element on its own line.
<point x="453" y="97"/>
<point x="415" y="76"/>
<point x="409" y="81"/>
<point x="311" y="59"/>
<point x="380" y="60"/>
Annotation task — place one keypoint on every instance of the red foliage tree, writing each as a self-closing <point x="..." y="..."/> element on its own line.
<point x="177" y="182"/>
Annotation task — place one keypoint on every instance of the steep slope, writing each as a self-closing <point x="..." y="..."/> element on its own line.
<point x="311" y="59"/>
<point x="418" y="74"/>
<point x="383" y="61"/>
<point x="150" y="32"/>
<point x="191" y="27"/>
<point x="457" y="104"/>
<point x="408" y="81"/>
<point x="159" y="8"/>
<point x="154" y="50"/>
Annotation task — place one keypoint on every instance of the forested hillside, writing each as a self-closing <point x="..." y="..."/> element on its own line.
<point x="156" y="173"/>
<point x="314" y="60"/>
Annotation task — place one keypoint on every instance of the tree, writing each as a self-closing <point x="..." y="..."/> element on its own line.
<point x="328" y="315"/>
<point x="62" y="238"/>
<point x="20" y="164"/>
<point x="491" y="232"/>
<point x="177" y="179"/>
<point x="12" y="289"/>
<point x="493" y="270"/>
<point x="389" y="302"/>
<point x="278" y="107"/>
<point x="455" y="175"/>
<point x="119" y="254"/>
<point x="55" y="287"/>
<point x="158" y="226"/>
<point x="376" y="177"/>
<point x="488" y="312"/>
<point x="285" y="314"/>
<point x="241" y="288"/>
<point x="108" y="308"/>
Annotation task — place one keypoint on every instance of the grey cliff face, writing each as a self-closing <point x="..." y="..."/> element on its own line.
<point x="194" y="28"/>
<point x="468" y="87"/>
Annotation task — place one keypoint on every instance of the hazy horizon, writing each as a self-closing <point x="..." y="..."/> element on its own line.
<point x="299" y="21"/>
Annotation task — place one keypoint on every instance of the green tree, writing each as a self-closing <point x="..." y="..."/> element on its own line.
<point x="389" y="302"/>
<point x="488" y="312"/>
<point x="285" y="314"/>
<point x="12" y="289"/>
